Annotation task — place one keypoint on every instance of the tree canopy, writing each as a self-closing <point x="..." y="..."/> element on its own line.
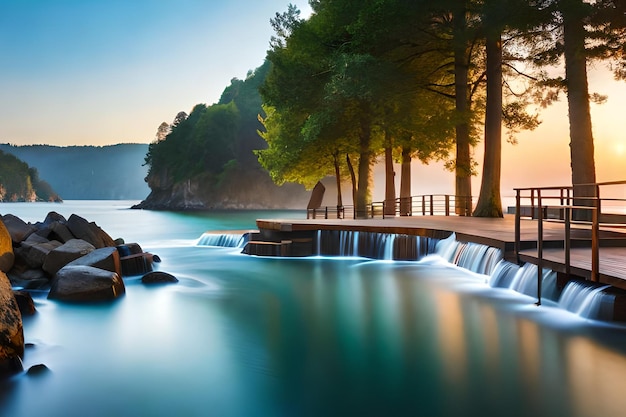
<point x="419" y="78"/>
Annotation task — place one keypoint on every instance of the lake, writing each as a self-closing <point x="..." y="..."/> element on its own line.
<point x="250" y="336"/>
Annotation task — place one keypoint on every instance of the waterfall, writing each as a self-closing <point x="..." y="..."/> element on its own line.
<point x="587" y="299"/>
<point x="387" y="246"/>
<point x="388" y="249"/>
<point x="523" y="279"/>
<point x="228" y="240"/>
<point x="477" y="258"/>
<point x="503" y="274"/>
<point x="582" y="298"/>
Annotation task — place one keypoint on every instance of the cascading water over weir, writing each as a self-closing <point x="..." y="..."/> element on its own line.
<point x="586" y="299"/>
<point x="228" y="240"/>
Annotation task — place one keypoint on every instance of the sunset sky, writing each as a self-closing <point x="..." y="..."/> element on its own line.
<point x="110" y="71"/>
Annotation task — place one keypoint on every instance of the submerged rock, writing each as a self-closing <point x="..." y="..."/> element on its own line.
<point x="25" y="303"/>
<point x="38" y="369"/>
<point x="158" y="277"/>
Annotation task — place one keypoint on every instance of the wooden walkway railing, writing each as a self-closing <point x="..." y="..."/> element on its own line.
<point x="420" y="205"/>
<point x="583" y="208"/>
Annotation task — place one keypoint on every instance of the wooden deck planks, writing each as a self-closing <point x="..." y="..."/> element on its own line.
<point x="497" y="232"/>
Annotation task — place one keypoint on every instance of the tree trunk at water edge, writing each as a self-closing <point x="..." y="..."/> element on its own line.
<point x="405" y="183"/>
<point x="489" y="200"/>
<point x="581" y="135"/>
<point x="390" y="183"/>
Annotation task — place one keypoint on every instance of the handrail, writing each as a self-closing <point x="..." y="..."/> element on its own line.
<point x="424" y="205"/>
<point x="567" y="207"/>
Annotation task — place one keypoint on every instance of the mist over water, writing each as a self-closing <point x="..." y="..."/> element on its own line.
<point x="249" y="336"/>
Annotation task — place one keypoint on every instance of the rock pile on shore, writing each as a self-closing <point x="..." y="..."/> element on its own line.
<point x="73" y="258"/>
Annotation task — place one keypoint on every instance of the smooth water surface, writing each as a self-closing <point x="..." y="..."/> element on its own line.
<point x="250" y="336"/>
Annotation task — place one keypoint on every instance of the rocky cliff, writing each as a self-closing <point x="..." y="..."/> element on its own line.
<point x="238" y="189"/>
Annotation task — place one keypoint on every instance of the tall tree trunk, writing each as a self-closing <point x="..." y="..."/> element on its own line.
<point x="353" y="181"/>
<point x="338" y="180"/>
<point x="390" y="183"/>
<point x="581" y="136"/>
<point x="405" y="182"/>
<point x="489" y="200"/>
<point x="365" y="156"/>
<point x="463" y="166"/>
<point x="340" y="211"/>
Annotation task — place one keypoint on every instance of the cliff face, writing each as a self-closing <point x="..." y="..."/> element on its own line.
<point x="238" y="189"/>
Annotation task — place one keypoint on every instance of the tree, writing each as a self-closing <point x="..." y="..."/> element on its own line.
<point x="583" y="32"/>
<point x="343" y="72"/>
<point x="315" y="73"/>
<point x="162" y="131"/>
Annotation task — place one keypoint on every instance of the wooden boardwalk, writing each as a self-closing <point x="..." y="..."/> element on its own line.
<point x="496" y="232"/>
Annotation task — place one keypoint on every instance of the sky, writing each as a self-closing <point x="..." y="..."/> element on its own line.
<point x="99" y="72"/>
<point x="102" y="72"/>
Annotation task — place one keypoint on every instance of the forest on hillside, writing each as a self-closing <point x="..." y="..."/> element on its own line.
<point x="206" y="160"/>
<point x="398" y="81"/>
<point x="212" y="139"/>
<point x="20" y="182"/>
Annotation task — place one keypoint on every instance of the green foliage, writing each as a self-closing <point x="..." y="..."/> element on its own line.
<point x="19" y="182"/>
<point x="340" y="83"/>
<point x="212" y="138"/>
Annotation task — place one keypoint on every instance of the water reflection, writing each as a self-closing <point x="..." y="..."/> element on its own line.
<point x="247" y="336"/>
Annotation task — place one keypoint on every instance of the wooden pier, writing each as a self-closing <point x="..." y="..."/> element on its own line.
<point x="495" y="232"/>
<point x="558" y="228"/>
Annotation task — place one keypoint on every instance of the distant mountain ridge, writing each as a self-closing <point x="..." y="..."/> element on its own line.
<point x="114" y="172"/>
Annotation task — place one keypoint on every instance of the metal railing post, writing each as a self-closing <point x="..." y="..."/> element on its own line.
<point x="539" y="248"/>
<point x="518" y="225"/>
<point x="595" y="247"/>
<point x="431" y="205"/>
<point x="567" y="245"/>
<point x="447" y="205"/>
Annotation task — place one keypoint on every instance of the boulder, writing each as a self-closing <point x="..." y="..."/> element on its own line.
<point x="59" y="231"/>
<point x="29" y="279"/>
<point x="11" y="330"/>
<point x="158" y="277"/>
<point x="7" y="257"/>
<point x="66" y="253"/>
<point x="136" y="264"/>
<point x="34" y="251"/>
<point x="128" y="249"/>
<point x="86" y="283"/>
<point x="104" y="258"/>
<point x="25" y="303"/>
<point x="39" y="369"/>
<point x="53" y="217"/>
<point x="89" y="232"/>
<point x="18" y="228"/>
<point x="35" y="238"/>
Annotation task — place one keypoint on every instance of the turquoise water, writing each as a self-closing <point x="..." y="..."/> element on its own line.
<point x="249" y="336"/>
